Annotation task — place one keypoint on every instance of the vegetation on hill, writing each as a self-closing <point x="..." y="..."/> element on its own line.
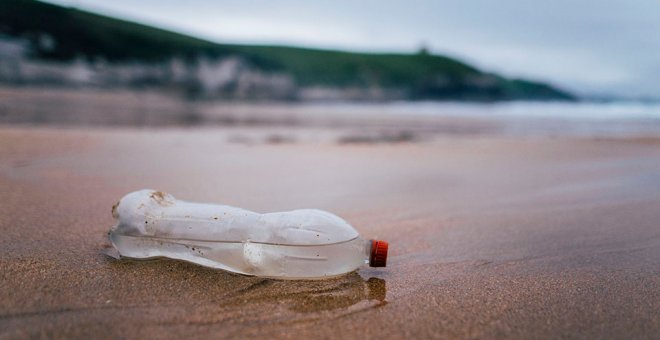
<point x="63" y="34"/>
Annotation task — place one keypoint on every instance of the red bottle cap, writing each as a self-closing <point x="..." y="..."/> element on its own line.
<point x="378" y="257"/>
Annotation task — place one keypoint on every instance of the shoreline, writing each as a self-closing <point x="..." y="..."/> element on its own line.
<point x="153" y="109"/>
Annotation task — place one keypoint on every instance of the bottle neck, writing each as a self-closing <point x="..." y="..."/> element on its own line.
<point x="378" y="253"/>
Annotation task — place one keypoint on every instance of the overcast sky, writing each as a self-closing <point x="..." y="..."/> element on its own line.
<point x="588" y="46"/>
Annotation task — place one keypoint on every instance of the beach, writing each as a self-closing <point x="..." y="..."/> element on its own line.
<point x="491" y="235"/>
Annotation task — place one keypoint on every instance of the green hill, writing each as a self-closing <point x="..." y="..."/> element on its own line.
<point x="76" y="33"/>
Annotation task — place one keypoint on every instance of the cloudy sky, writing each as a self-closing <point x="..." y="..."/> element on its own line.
<point x="588" y="46"/>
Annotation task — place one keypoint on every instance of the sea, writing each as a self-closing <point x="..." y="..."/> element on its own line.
<point x="589" y="119"/>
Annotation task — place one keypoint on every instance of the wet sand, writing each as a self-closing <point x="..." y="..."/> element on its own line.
<point x="490" y="237"/>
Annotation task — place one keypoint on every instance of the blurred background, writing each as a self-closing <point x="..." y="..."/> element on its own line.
<point x="402" y="69"/>
<point x="509" y="151"/>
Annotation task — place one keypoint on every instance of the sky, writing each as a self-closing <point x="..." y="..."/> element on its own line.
<point x="591" y="47"/>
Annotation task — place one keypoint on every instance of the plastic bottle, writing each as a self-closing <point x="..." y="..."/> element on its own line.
<point x="299" y="244"/>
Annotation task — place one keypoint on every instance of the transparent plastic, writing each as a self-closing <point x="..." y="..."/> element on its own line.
<point x="299" y="244"/>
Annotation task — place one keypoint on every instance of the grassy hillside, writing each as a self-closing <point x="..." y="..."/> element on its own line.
<point x="77" y="33"/>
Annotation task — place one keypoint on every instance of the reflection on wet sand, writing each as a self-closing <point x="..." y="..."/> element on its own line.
<point x="345" y="292"/>
<point x="318" y="295"/>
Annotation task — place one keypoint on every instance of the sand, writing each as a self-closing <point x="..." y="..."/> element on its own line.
<point x="490" y="237"/>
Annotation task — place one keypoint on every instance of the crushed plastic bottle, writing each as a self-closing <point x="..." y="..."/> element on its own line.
<point x="299" y="244"/>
